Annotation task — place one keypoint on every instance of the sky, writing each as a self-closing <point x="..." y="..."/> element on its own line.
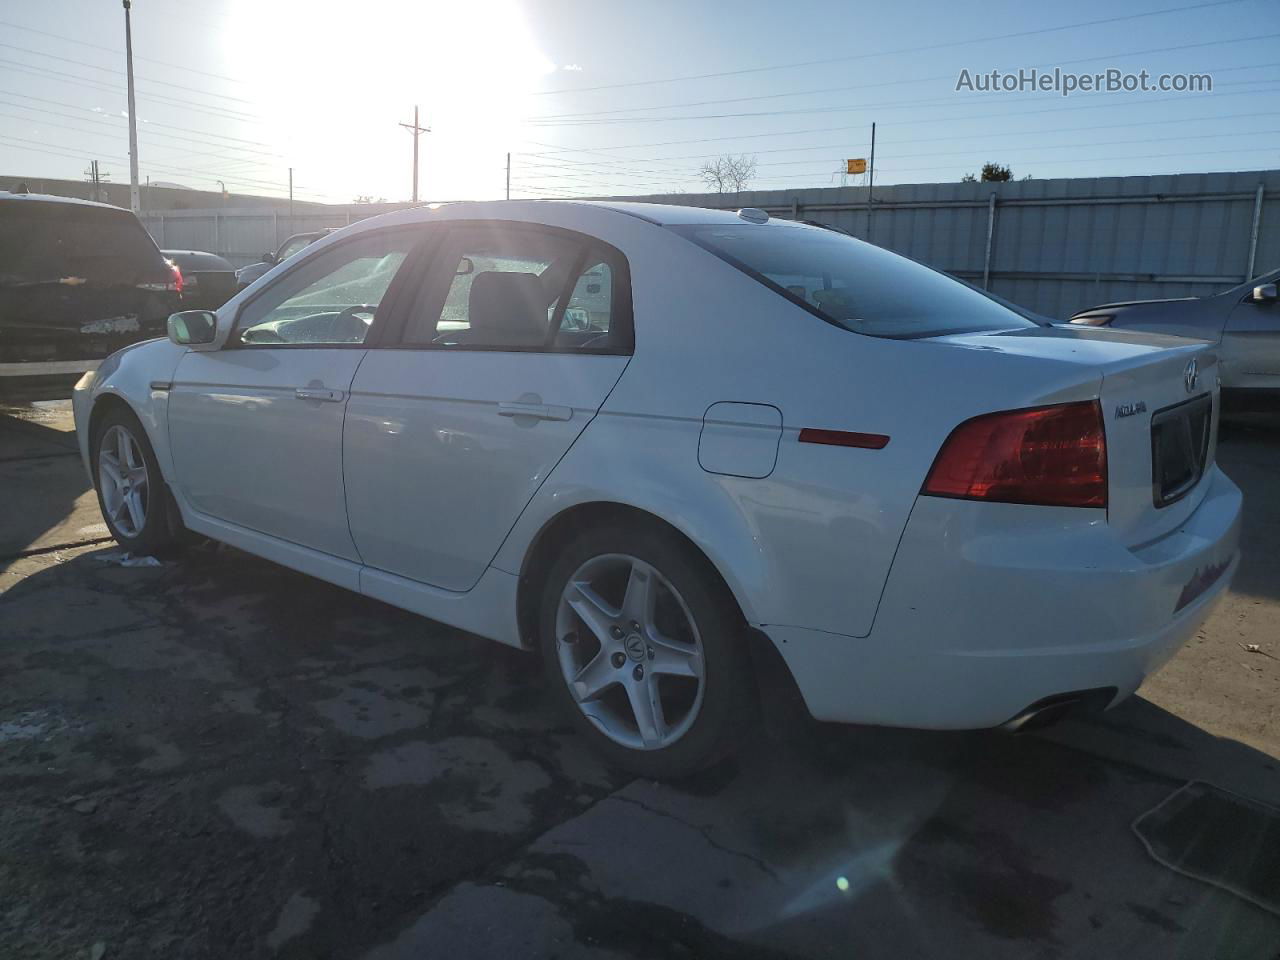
<point x="622" y="98"/>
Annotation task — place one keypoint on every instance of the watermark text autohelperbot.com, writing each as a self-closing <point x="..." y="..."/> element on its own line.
<point x="1111" y="80"/>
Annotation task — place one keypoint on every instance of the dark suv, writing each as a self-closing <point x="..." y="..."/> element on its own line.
<point x="78" y="281"/>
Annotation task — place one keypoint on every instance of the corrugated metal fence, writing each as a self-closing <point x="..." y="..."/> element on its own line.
<point x="1055" y="246"/>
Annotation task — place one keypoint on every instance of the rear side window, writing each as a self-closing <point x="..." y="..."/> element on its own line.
<point x="852" y="284"/>
<point x="590" y="308"/>
<point x="500" y="286"/>
<point x="42" y="242"/>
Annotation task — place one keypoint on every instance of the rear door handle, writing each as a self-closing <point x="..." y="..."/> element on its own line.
<point x="318" y="393"/>
<point x="539" y="411"/>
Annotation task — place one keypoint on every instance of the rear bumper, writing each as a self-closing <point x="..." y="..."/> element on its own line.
<point x="982" y="617"/>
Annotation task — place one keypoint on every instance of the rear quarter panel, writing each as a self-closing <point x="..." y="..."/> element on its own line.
<point x="810" y="544"/>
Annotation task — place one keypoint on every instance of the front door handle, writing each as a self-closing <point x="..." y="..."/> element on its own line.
<point x="318" y="393"/>
<point x="539" y="411"/>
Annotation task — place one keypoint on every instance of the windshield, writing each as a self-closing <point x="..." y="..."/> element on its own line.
<point x="855" y="285"/>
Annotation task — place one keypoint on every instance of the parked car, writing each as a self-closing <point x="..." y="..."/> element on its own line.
<point x="917" y="506"/>
<point x="1243" y="323"/>
<point x="294" y="244"/>
<point x="208" y="280"/>
<point x="78" y="281"/>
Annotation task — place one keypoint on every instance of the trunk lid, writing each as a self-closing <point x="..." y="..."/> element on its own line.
<point x="1160" y="420"/>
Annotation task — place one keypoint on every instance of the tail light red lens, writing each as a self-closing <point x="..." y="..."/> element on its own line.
<point x="172" y="285"/>
<point x="1053" y="456"/>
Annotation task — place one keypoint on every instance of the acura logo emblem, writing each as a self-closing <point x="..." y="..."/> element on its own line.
<point x="1191" y="376"/>
<point x="634" y="645"/>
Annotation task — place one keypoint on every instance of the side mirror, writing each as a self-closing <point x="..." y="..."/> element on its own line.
<point x="1266" y="293"/>
<point x="193" y="328"/>
<point x="269" y="258"/>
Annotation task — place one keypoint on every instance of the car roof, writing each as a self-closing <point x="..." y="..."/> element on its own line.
<point x="47" y="198"/>
<point x="663" y="214"/>
<point x="667" y="214"/>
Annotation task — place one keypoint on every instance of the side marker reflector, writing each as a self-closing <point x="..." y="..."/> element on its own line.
<point x="844" y="438"/>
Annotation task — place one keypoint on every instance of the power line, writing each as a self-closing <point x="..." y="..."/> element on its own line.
<point x="566" y="163"/>
<point x="204" y="174"/>
<point x="116" y="51"/>
<point x="113" y="70"/>
<point x="154" y="97"/>
<point x="894" y="83"/>
<point x="114" y="131"/>
<point x="843" y="108"/>
<point x="884" y="53"/>
<point x="115" y="135"/>
<point x="844" y="127"/>
<point x="150" y="123"/>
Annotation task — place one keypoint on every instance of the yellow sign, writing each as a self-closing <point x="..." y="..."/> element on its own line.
<point x="857" y="166"/>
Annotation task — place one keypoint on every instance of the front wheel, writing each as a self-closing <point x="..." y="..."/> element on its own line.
<point x="644" y="648"/>
<point x="131" y="492"/>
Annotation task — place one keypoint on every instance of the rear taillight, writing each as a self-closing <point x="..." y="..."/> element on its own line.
<point x="1053" y="456"/>
<point x="172" y="285"/>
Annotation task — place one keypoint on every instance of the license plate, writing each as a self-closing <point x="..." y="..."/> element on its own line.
<point x="1179" y="448"/>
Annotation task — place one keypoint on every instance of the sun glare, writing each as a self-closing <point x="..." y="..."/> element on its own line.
<point x="334" y="80"/>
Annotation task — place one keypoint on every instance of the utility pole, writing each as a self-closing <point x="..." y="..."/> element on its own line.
<point x="871" y="182"/>
<point x="97" y="178"/>
<point x="291" y="199"/>
<point x="416" y="131"/>
<point x="135" y="196"/>
<point x="508" y="174"/>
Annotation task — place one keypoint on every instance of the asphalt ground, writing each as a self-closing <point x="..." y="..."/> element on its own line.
<point x="218" y="757"/>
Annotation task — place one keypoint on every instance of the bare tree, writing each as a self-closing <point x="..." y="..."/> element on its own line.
<point x="728" y="174"/>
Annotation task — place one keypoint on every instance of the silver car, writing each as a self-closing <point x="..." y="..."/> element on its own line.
<point x="1244" y="322"/>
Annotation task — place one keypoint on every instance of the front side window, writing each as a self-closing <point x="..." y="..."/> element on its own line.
<point x="855" y="285"/>
<point x="496" y="286"/>
<point x="331" y="298"/>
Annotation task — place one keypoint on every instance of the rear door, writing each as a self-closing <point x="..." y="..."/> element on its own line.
<point x="256" y="427"/>
<point x="517" y="335"/>
<point x="77" y="281"/>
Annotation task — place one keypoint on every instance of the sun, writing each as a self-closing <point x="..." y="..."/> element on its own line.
<point x="333" y="81"/>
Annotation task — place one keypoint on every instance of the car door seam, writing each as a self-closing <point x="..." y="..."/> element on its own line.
<point x="534" y="495"/>
<point x="342" y="460"/>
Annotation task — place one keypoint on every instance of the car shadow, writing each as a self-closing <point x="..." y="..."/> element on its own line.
<point x="42" y="465"/>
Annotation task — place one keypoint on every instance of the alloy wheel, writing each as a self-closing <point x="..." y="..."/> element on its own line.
<point x="630" y="652"/>
<point x="123" y="479"/>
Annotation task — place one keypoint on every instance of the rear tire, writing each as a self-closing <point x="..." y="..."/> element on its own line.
<point x="135" y="501"/>
<point x="644" y="649"/>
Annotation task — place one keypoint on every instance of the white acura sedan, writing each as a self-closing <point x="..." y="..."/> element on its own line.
<point x="658" y="443"/>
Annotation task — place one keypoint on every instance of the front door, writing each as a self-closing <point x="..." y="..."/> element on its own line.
<point x="513" y="343"/>
<point x="1250" y="354"/>
<point x="256" y="427"/>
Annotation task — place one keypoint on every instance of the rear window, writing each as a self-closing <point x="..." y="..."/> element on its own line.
<point x="852" y="284"/>
<point x="51" y="241"/>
